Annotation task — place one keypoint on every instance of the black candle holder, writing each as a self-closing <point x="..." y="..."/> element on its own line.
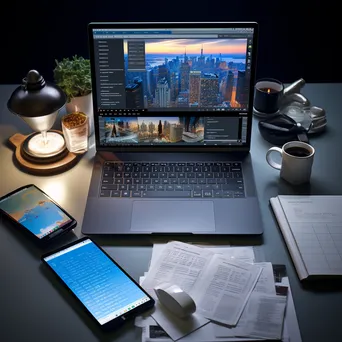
<point x="268" y="93"/>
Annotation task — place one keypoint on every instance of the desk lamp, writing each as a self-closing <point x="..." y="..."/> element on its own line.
<point x="38" y="102"/>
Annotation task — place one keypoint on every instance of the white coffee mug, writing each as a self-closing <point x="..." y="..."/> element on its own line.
<point x="296" y="161"/>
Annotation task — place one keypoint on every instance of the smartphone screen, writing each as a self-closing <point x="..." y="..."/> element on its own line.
<point x="97" y="281"/>
<point x="35" y="211"/>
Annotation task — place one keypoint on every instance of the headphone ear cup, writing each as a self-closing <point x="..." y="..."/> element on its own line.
<point x="276" y="136"/>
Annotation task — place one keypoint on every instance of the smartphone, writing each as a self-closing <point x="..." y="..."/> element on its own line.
<point x="36" y="214"/>
<point x="104" y="289"/>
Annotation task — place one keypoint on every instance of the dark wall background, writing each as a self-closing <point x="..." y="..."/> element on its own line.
<point x="297" y="38"/>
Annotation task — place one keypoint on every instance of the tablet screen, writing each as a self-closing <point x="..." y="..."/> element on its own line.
<point x="104" y="289"/>
<point x="35" y="211"/>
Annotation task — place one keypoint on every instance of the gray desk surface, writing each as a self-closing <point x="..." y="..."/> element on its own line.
<point x="32" y="309"/>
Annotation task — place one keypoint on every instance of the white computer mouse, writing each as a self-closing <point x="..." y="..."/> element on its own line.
<point x="175" y="299"/>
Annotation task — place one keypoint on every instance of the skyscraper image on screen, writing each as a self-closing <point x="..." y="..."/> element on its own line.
<point x="184" y="73"/>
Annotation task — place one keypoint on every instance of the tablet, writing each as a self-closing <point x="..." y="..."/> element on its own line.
<point x="103" y="288"/>
<point x="36" y="214"/>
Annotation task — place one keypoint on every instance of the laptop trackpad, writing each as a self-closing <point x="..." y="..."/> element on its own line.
<point x="173" y="216"/>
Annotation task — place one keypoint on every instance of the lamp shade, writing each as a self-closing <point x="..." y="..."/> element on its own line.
<point x="35" y="97"/>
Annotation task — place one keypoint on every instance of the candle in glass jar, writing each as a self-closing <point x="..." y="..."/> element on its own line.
<point x="267" y="95"/>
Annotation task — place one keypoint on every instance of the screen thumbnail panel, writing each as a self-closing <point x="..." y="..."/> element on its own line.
<point x="179" y="130"/>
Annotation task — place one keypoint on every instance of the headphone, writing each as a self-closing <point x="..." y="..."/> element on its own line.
<point x="281" y="129"/>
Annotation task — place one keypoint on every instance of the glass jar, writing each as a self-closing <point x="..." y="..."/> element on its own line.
<point x="75" y="129"/>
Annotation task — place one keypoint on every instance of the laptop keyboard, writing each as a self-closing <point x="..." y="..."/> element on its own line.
<point x="172" y="180"/>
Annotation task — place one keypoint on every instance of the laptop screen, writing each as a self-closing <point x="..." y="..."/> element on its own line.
<point x="172" y="86"/>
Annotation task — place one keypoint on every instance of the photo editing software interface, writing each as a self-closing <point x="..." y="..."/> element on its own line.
<point x="155" y="86"/>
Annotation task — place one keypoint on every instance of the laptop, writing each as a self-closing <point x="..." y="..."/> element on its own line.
<point x="172" y="116"/>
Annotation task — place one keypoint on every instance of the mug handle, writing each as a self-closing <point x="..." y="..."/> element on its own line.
<point x="270" y="161"/>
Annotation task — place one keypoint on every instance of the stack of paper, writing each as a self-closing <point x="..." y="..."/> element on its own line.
<point x="236" y="298"/>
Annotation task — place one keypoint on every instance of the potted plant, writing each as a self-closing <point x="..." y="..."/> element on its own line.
<point x="73" y="76"/>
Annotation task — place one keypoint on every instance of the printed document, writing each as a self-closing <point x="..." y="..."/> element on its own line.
<point x="265" y="284"/>
<point x="262" y="318"/>
<point x="179" y="264"/>
<point x="155" y="333"/>
<point x="242" y="253"/>
<point x="265" y="316"/>
<point x="223" y="290"/>
<point x="264" y="313"/>
<point x="223" y="284"/>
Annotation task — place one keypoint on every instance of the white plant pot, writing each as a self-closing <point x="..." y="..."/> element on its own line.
<point x="82" y="104"/>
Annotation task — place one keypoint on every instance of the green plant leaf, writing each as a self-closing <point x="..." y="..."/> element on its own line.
<point x="73" y="76"/>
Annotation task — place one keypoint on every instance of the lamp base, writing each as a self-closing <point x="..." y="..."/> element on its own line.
<point x="38" y="165"/>
<point x="36" y="150"/>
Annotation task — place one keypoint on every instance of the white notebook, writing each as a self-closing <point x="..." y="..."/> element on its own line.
<point x="312" y="229"/>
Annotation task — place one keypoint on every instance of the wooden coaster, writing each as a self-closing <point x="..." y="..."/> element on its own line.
<point x="39" y="168"/>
